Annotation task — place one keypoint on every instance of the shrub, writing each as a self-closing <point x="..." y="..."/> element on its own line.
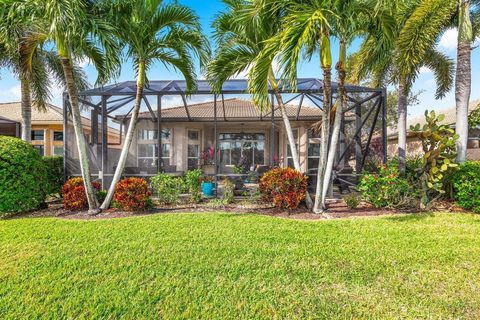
<point x="228" y="191"/>
<point x="73" y="193"/>
<point x="167" y="187"/>
<point x="284" y="187"/>
<point x="352" y="201"/>
<point x="54" y="167"/>
<point x="132" y="194"/>
<point x="466" y="185"/>
<point x="193" y="181"/>
<point x="22" y="177"/>
<point x="387" y="188"/>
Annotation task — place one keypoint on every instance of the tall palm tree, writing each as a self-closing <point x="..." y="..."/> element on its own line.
<point x="241" y="34"/>
<point x="380" y="59"/>
<point x="76" y="31"/>
<point x="35" y="82"/>
<point x="153" y="31"/>
<point x="428" y="21"/>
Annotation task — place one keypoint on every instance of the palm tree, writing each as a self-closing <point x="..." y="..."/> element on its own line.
<point x="241" y="34"/>
<point x="381" y="60"/>
<point x="76" y="31"/>
<point x="428" y="21"/>
<point x="35" y="81"/>
<point x="153" y="31"/>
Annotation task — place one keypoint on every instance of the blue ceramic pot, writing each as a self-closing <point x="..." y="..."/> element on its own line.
<point x="207" y="189"/>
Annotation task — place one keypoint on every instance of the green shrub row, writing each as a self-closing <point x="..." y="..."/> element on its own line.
<point x="466" y="186"/>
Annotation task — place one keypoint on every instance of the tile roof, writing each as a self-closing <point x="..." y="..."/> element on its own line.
<point x="450" y="118"/>
<point x="234" y="109"/>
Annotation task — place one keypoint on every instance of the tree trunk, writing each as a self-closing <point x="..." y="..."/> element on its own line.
<point x="402" y="125"/>
<point x="463" y="80"/>
<point x="26" y="105"/>
<point x="325" y="131"/>
<point x="78" y="128"/>
<point x="327" y="179"/>
<point x="129" y="136"/>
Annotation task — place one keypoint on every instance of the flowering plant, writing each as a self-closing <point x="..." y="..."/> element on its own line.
<point x="284" y="187"/>
<point x="208" y="156"/>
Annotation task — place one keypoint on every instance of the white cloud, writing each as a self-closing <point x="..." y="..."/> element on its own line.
<point x="83" y="62"/>
<point x="448" y="41"/>
<point x="424" y="70"/>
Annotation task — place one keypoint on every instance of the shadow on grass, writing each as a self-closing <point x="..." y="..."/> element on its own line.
<point x="411" y="217"/>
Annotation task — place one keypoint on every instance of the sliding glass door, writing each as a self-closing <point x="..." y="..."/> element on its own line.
<point x="245" y="149"/>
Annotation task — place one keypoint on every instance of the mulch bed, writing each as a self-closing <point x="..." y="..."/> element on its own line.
<point x="336" y="209"/>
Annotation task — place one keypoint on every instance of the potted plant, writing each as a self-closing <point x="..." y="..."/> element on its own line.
<point x="208" y="159"/>
<point x="208" y="186"/>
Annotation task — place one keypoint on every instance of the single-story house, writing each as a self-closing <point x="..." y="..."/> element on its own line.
<point x="47" y="127"/>
<point x="414" y="146"/>
<point x="244" y="136"/>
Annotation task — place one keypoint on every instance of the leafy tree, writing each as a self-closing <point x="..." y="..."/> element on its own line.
<point x="153" y="31"/>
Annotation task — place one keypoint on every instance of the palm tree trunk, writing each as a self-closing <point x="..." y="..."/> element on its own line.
<point x="337" y="122"/>
<point x="129" y="136"/>
<point x="289" y="131"/>
<point x="26" y="105"/>
<point x="78" y="128"/>
<point x="463" y="80"/>
<point x="324" y="135"/>
<point x="402" y="125"/>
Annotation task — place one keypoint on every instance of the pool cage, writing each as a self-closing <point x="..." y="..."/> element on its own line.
<point x="106" y="111"/>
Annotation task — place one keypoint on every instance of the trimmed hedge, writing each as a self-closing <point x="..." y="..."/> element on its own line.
<point x="54" y="168"/>
<point x="22" y="177"/>
<point x="466" y="185"/>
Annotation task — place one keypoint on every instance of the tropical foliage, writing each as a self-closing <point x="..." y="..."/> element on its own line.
<point x="466" y="184"/>
<point x="284" y="187"/>
<point x="132" y="194"/>
<point x="74" y="196"/>
<point x="167" y="187"/>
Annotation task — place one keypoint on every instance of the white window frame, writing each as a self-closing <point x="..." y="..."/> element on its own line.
<point x="312" y="141"/>
<point x="287" y="145"/>
<point x="198" y="143"/>
<point x="154" y="142"/>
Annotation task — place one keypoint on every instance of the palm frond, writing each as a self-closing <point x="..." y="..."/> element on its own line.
<point x="443" y="68"/>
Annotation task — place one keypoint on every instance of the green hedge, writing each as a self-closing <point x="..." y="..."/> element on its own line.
<point x="22" y="177"/>
<point x="466" y="185"/>
<point x="54" y="167"/>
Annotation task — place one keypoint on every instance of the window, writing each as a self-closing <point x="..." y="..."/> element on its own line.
<point x="193" y="152"/>
<point x="289" y="152"/>
<point x="57" y="136"/>
<point x="313" y="150"/>
<point x="38" y="135"/>
<point x="40" y="149"/>
<point x="237" y="146"/>
<point x="58" y="150"/>
<point x="148" y="147"/>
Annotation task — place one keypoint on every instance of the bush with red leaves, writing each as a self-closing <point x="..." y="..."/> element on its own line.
<point x="132" y="194"/>
<point x="284" y="187"/>
<point x="74" y="197"/>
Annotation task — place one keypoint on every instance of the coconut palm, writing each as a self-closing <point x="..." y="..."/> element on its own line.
<point x="155" y="32"/>
<point x="241" y="34"/>
<point x="76" y="31"/>
<point x="35" y="82"/>
<point x="428" y="21"/>
<point x="380" y="60"/>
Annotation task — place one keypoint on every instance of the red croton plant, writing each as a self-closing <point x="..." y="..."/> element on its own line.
<point x="132" y="194"/>
<point x="73" y="192"/>
<point x="284" y="187"/>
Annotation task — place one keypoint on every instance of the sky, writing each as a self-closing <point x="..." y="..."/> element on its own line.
<point x="206" y="10"/>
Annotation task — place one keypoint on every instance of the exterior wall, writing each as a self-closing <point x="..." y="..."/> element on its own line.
<point x="48" y="142"/>
<point x="179" y="139"/>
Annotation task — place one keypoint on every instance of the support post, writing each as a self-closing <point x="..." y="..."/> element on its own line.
<point x="358" y="138"/>
<point x="159" y="132"/>
<point x="65" y="136"/>
<point x="384" y="125"/>
<point x="104" y="141"/>
<point x="272" y="134"/>
<point x="215" y="142"/>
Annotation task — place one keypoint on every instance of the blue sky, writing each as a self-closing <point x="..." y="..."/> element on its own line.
<point x="10" y="88"/>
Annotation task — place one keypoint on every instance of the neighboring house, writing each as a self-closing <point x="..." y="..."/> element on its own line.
<point x="414" y="145"/>
<point x="47" y="127"/>
<point x="244" y="135"/>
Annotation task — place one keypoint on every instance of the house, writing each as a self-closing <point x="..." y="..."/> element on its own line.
<point x="414" y="145"/>
<point x="244" y="135"/>
<point x="47" y="127"/>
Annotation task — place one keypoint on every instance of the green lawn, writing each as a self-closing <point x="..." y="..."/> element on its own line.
<point x="216" y="266"/>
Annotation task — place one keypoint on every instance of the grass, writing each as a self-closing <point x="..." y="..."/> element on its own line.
<point x="218" y="266"/>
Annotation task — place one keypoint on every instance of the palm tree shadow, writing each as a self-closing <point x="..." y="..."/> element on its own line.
<point x="412" y="217"/>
